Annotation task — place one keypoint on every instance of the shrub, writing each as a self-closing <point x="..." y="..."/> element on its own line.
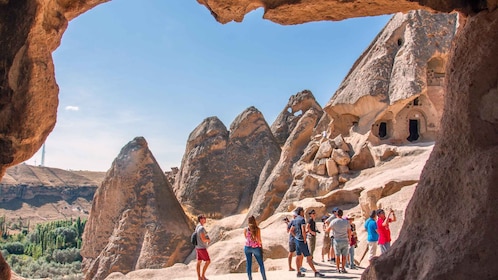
<point x="16" y="248"/>
<point x="66" y="255"/>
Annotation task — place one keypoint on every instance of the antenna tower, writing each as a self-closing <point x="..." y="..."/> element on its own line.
<point x="43" y="156"/>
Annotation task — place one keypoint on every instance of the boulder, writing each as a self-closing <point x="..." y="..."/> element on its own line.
<point x="319" y="166"/>
<point x="325" y="149"/>
<point x="340" y="157"/>
<point x="332" y="169"/>
<point x="362" y="160"/>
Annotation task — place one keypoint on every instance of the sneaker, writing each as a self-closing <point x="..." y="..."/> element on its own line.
<point x="302" y="269"/>
<point x="344" y="271"/>
<point x="299" y="274"/>
<point x="318" y="274"/>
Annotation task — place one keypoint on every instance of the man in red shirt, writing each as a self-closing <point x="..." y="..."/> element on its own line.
<point x="383" y="229"/>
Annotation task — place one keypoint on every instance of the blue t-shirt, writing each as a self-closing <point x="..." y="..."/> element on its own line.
<point x="371" y="227"/>
<point x="297" y="223"/>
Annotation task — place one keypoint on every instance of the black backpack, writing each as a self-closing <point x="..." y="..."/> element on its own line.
<point x="193" y="238"/>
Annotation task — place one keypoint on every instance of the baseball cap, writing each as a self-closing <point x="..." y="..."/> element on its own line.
<point x="335" y="209"/>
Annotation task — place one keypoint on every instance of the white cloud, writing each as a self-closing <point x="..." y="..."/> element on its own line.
<point x="72" y="108"/>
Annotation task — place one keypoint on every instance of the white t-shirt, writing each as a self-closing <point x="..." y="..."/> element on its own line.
<point x="340" y="229"/>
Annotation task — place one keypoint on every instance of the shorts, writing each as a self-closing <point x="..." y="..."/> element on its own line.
<point x="341" y="247"/>
<point x="385" y="247"/>
<point x="202" y="254"/>
<point x="326" y="245"/>
<point x="292" y="246"/>
<point x="302" y="248"/>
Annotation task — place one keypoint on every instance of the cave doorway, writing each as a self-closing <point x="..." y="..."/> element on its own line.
<point x="413" y="127"/>
<point x="382" y="130"/>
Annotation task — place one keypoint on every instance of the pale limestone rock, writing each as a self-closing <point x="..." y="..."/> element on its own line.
<point x="340" y="143"/>
<point x="340" y="157"/>
<point x="331" y="166"/>
<point x="362" y="159"/>
<point x="343" y="169"/>
<point x="325" y="150"/>
<point x="340" y="197"/>
<point x="319" y="166"/>
<point x="328" y="184"/>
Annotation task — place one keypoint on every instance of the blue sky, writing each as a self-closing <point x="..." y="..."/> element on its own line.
<point x="157" y="68"/>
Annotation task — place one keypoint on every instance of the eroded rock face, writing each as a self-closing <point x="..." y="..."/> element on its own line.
<point x="295" y="12"/>
<point x="5" y="272"/>
<point x="395" y="90"/>
<point x="27" y="182"/>
<point x="268" y="196"/>
<point x="464" y="242"/>
<point x="287" y="120"/>
<point x="226" y="166"/>
<point x="136" y="221"/>
<point x="30" y="32"/>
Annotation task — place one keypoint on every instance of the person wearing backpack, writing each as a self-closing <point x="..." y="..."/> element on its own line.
<point x="253" y="246"/>
<point x="201" y="247"/>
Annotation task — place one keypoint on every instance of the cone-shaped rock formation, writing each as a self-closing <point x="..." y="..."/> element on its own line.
<point x="225" y="166"/>
<point x="136" y="221"/>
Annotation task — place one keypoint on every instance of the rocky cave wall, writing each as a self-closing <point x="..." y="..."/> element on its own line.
<point x="460" y="176"/>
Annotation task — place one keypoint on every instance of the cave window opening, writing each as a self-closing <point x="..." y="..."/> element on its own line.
<point x="413" y="128"/>
<point x="298" y="113"/>
<point x="400" y="42"/>
<point x="382" y="130"/>
<point x="416" y="102"/>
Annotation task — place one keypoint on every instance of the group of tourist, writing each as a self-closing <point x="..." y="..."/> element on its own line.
<point x="340" y="240"/>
